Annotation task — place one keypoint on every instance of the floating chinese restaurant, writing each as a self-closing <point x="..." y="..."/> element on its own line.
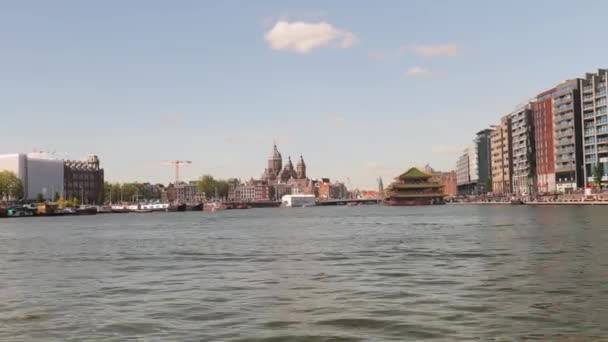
<point x="414" y="187"/>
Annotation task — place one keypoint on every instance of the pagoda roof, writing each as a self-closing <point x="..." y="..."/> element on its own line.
<point x="414" y="173"/>
<point x="416" y="186"/>
<point x="406" y="195"/>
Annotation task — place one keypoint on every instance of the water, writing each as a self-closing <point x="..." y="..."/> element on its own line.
<point x="314" y="274"/>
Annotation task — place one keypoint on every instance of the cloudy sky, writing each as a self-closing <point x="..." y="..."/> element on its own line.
<point x="362" y="89"/>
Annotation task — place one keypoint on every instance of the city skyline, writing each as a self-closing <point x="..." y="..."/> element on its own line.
<point x="142" y="83"/>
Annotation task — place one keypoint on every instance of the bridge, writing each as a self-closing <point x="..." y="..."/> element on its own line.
<point x="348" y="201"/>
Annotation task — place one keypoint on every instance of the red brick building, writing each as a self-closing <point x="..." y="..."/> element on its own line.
<point x="544" y="132"/>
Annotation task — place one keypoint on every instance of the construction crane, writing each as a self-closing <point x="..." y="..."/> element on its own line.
<point x="177" y="164"/>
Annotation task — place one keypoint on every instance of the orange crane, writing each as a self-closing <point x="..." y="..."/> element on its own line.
<point x="176" y="164"/>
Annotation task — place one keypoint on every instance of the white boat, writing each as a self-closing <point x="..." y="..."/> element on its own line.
<point x="139" y="208"/>
<point x="291" y="201"/>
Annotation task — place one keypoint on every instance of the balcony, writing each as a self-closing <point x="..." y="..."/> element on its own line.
<point x="588" y="106"/>
<point x="588" y="97"/>
<point x="564" y="133"/>
<point x="589" y="132"/>
<point x="602" y="149"/>
<point x="588" y="89"/>
<point x="589" y="115"/>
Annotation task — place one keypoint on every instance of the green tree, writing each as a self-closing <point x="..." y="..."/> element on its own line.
<point x="62" y="202"/>
<point x="207" y="185"/>
<point x="598" y="173"/>
<point x="56" y="196"/>
<point x="489" y="184"/>
<point x="75" y="202"/>
<point x="11" y="186"/>
<point x="40" y="198"/>
<point x="132" y="192"/>
<point x="222" y="187"/>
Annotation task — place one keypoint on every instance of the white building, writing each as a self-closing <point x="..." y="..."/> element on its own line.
<point x="298" y="200"/>
<point x="39" y="173"/>
<point x="473" y="152"/>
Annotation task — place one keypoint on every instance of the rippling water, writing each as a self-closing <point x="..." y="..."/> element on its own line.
<point x="314" y="274"/>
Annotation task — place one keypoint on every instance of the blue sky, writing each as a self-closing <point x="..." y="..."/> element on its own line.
<point x="361" y="89"/>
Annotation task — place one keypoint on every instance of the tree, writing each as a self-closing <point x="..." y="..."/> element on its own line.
<point x="222" y="187"/>
<point x="11" y="186"/>
<point x="489" y="184"/>
<point x="206" y="184"/>
<point x="61" y="202"/>
<point x="75" y="202"/>
<point x="40" y="198"/>
<point x="598" y="173"/>
<point x="56" y="196"/>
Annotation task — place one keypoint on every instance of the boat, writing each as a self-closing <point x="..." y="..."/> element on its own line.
<point x="215" y="206"/>
<point x="151" y="206"/>
<point x="142" y="211"/>
<point x="178" y="207"/>
<point x="19" y="212"/>
<point x="516" y="201"/>
<point x="195" y="207"/>
<point x="291" y="201"/>
<point x="104" y="209"/>
<point x="69" y="211"/>
<point x="414" y="187"/>
<point x="119" y="209"/>
<point x="86" y="210"/>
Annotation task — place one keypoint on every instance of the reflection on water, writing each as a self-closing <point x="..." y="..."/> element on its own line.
<point x="314" y="274"/>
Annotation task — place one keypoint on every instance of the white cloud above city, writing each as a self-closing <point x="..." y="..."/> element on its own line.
<point x="304" y="37"/>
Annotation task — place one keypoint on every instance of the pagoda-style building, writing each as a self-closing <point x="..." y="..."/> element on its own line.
<point x="414" y="187"/>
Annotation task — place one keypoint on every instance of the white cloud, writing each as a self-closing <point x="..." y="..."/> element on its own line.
<point x="302" y="37"/>
<point x="418" y="71"/>
<point x="440" y="50"/>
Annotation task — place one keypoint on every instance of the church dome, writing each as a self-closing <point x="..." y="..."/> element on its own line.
<point x="276" y="155"/>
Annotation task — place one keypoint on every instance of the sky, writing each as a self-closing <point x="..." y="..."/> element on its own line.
<point x="361" y="89"/>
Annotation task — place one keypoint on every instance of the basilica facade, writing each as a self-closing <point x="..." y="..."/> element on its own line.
<point x="276" y="172"/>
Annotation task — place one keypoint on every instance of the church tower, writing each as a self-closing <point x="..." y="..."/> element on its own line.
<point x="301" y="169"/>
<point x="275" y="161"/>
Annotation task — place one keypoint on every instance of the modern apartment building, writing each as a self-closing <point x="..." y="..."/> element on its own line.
<point x="595" y="124"/>
<point x="462" y="171"/>
<point x="568" y="136"/>
<point x="502" y="169"/>
<point x="467" y="172"/>
<point x="523" y="159"/>
<point x="544" y="144"/>
<point x="483" y="146"/>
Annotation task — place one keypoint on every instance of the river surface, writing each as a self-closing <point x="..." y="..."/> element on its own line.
<point x="366" y="273"/>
